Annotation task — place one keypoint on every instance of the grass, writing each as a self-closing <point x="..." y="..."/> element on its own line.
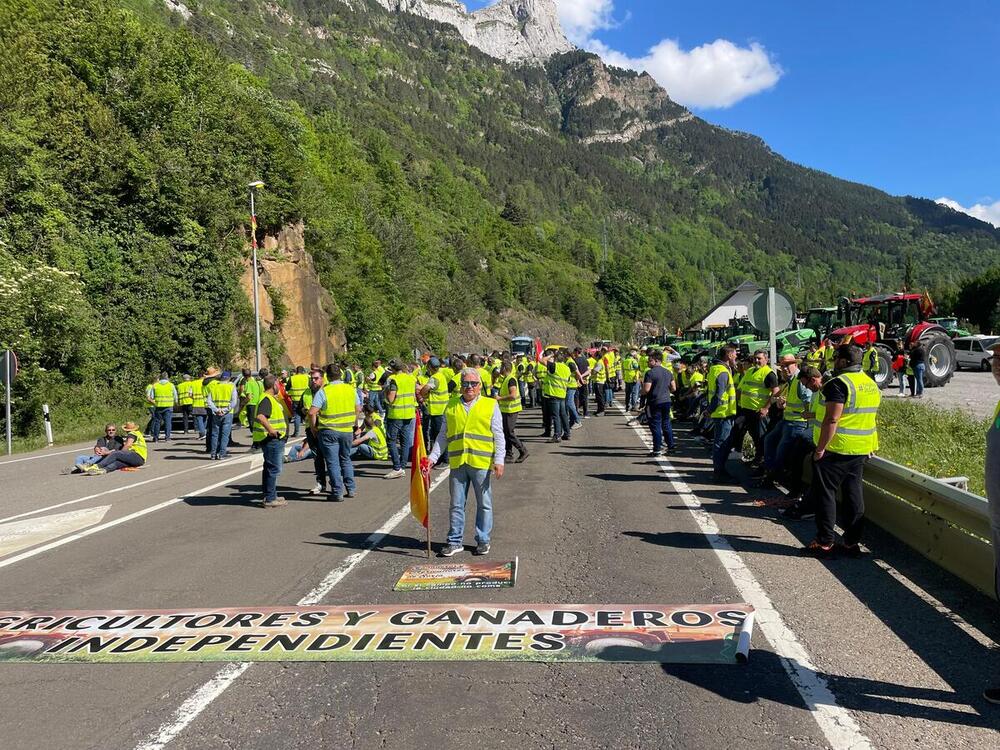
<point x="937" y="442"/>
<point x="67" y="429"/>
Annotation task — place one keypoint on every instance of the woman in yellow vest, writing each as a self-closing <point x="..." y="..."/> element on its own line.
<point x="509" y="398"/>
<point x="270" y="432"/>
<point x="474" y="443"/>
<point x="131" y="455"/>
<point x="845" y="435"/>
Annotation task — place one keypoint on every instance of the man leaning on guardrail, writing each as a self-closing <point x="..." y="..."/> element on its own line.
<point x="992" y="694"/>
<point x="845" y="434"/>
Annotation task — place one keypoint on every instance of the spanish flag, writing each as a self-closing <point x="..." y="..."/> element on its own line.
<point x="419" y="487"/>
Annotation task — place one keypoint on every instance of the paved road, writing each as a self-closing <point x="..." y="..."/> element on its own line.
<point x="974" y="392"/>
<point x="886" y="650"/>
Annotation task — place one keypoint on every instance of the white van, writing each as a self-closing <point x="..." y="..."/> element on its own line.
<point x="973" y="352"/>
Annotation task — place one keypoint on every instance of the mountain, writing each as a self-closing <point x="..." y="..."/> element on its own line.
<point x="435" y="189"/>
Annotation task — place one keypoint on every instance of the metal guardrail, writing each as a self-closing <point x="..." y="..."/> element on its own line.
<point x="948" y="525"/>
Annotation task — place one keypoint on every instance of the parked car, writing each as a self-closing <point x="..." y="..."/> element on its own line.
<point x="973" y="352"/>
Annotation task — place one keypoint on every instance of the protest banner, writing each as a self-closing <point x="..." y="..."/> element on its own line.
<point x="468" y="632"/>
<point x="460" y="575"/>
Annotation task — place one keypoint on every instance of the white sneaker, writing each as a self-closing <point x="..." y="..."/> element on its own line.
<point x="317" y="489"/>
<point x="395" y="474"/>
<point x="577" y="426"/>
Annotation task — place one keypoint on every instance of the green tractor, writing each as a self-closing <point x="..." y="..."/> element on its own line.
<point x="952" y="325"/>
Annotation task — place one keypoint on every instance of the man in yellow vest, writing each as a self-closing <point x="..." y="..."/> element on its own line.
<point x="722" y="409"/>
<point x="630" y="375"/>
<point x="221" y="399"/>
<point x="298" y="384"/>
<point x="334" y="412"/>
<point x="794" y="400"/>
<point x="375" y="386"/>
<point x="186" y="400"/>
<point x="509" y="398"/>
<point x="474" y="443"/>
<point x="131" y="455"/>
<point x="436" y="394"/>
<point x="164" y="401"/>
<point x="845" y="435"/>
<point x="758" y="388"/>
<point x="400" y="416"/>
<point x="371" y="444"/>
<point x="555" y="418"/>
<point x="270" y="432"/>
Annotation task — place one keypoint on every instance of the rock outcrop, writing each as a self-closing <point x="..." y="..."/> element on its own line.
<point x="510" y="30"/>
<point x="287" y="274"/>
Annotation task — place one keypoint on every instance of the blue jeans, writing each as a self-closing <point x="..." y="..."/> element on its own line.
<point x="375" y="399"/>
<point x="902" y="382"/>
<point x="399" y="434"/>
<point x="81" y="460"/>
<point x="574" y="416"/>
<point x="918" y="375"/>
<point x="458" y="483"/>
<point x="560" y="418"/>
<point x="274" y="454"/>
<point x="631" y="396"/>
<point x="791" y="433"/>
<point x="722" y="444"/>
<point x="296" y="423"/>
<point x="609" y="394"/>
<point x="223" y="426"/>
<point x="336" y="447"/>
<point x="659" y="425"/>
<point x="363" y="451"/>
<point x="162" y="415"/>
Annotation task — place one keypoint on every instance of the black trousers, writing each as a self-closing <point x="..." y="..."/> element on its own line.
<point x="582" y="402"/>
<point x="546" y="416"/>
<point x="510" y="433"/>
<point x="210" y="428"/>
<point x="839" y="472"/>
<point x="599" y="397"/>
<point x="186" y="416"/>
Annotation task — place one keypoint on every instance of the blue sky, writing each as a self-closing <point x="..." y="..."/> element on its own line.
<point x="904" y="96"/>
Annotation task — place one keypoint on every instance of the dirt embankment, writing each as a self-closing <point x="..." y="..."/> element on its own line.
<point x="495" y="335"/>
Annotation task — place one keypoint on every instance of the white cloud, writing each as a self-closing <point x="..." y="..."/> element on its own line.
<point x="714" y="75"/>
<point x="581" y="18"/>
<point x="988" y="213"/>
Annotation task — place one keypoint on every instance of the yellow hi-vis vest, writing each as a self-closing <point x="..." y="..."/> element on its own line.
<point x="727" y="400"/>
<point x="138" y="443"/>
<point x="276" y="420"/>
<point x="404" y="405"/>
<point x="514" y="405"/>
<point x="794" y="406"/>
<point x="470" y="434"/>
<point x="487" y="379"/>
<point x="630" y="370"/>
<point x="198" y="393"/>
<point x="297" y="385"/>
<point x="379" y="444"/>
<point x="437" y="400"/>
<point x="599" y="372"/>
<point x="857" y="432"/>
<point x="184" y="393"/>
<point x="163" y="394"/>
<point x="554" y="383"/>
<point x="540" y="372"/>
<point x="869" y="362"/>
<point x="697" y="380"/>
<point x="340" y="410"/>
<point x="221" y="393"/>
<point x="753" y="392"/>
<point x="377" y="374"/>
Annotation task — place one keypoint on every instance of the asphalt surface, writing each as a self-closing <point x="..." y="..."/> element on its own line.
<point x="970" y="391"/>
<point x="904" y="648"/>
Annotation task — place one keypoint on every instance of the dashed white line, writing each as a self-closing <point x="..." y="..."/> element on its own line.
<point x="202" y="698"/>
<point x="835" y="721"/>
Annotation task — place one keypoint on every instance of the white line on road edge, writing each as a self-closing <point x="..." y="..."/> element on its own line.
<point x="43" y="455"/>
<point x="119" y="521"/>
<point x="212" y="465"/>
<point x="202" y="698"/>
<point x="836" y="722"/>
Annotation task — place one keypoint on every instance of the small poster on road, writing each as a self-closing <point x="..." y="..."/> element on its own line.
<point x="459" y="575"/>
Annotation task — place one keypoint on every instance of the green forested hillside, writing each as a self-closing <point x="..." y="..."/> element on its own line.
<point x="435" y="184"/>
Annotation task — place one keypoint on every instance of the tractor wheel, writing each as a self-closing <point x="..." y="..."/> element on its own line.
<point x="941" y="360"/>
<point x="885" y="376"/>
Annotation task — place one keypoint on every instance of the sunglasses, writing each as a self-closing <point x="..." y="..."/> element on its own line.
<point x="470" y="383"/>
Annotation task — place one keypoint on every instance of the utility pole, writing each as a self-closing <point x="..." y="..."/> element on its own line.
<point x="878" y="281"/>
<point x="604" y="246"/>
<point x="712" y="277"/>
<point x="254" y="187"/>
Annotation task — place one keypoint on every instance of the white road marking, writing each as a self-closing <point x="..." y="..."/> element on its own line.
<point x="23" y="534"/>
<point x="43" y="455"/>
<point x="202" y="698"/>
<point x="123" y="488"/>
<point x="119" y="521"/>
<point x="836" y="722"/>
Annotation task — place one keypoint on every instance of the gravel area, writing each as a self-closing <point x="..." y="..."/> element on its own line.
<point x="974" y="392"/>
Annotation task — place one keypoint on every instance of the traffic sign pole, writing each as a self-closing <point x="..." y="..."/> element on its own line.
<point x="7" y="377"/>
<point x="771" y="326"/>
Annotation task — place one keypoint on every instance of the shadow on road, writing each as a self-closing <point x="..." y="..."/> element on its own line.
<point x="392" y="544"/>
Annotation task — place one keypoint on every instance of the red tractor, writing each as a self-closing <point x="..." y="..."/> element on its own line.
<point x="887" y="318"/>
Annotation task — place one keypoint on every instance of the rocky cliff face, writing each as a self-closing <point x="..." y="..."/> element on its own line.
<point x="510" y="30"/>
<point x="288" y="281"/>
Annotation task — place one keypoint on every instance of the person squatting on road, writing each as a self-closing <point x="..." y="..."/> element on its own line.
<point x="474" y="442"/>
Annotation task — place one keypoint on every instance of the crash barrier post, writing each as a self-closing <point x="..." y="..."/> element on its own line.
<point x="48" y="424"/>
<point x="948" y="525"/>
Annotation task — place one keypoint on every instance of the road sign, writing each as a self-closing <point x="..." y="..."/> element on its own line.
<point x="784" y="312"/>
<point x="9" y="369"/>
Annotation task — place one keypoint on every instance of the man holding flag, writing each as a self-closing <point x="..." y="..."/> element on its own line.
<point x="474" y="443"/>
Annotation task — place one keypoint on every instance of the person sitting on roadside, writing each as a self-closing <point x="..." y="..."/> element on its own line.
<point x="107" y="443"/>
<point x="131" y="455"/>
<point x="370" y="443"/>
<point x="299" y="452"/>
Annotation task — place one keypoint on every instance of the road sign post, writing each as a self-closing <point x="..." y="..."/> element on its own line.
<point x="771" y="327"/>
<point x="7" y="375"/>
<point x="48" y="424"/>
